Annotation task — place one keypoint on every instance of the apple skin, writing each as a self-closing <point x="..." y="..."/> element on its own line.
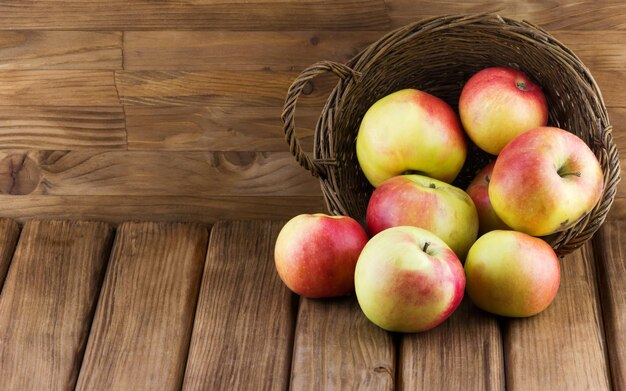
<point x="512" y="274"/>
<point x="316" y="254"/>
<point x="410" y="131"/>
<point x="424" y="202"/>
<point x="544" y="181"/>
<point x="400" y="287"/>
<point x="499" y="103"/>
<point x="478" y="191"/>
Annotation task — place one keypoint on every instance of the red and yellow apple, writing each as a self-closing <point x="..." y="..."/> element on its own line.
<point x="544" y="181"/>
<point x="499" y="103"/>
<point x="419" y="201"/>
<point x="512" y="274"/>
<point x="410" y="131"/>
<point x="408" y="280"/>
<point x="316" y="254"/>
<point x="478" y="191"/>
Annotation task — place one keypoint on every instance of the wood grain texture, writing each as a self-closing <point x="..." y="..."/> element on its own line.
<point x="240" y="50"/>
<point x="117" y="209"/>
<point x="610" y="247"/>
<point x="551" y="15"/>
<point x="47" y="303"/>
<point x="216" y="88"/>
<point x="598" y="50"/>
<point x="9" y="232"/>
<point x="211" y="128"/>
<point x="243" y="331"/>
<point x="25" y="49"/>
<point x="193" y="14"/>
<point x="57" y="88"/>
<point x="337" y="348"/>
<point x="141" y="330"/>
<point x="62" y="128"/>
<point x="562" y="348"/>
<point x="464" y="353"/>
<point x="196" y="174"/>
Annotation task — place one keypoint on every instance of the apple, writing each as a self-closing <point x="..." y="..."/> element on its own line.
<point x="478" y="191"/>
<point x="316" y="254"/>
<point x="408" y="280"/>
<point x="513" y="274"/>
<point x="544" y="181"/>
<point x="419" y="201"/>
<point x="410" y="131"/>
<point x="499" y="103"/>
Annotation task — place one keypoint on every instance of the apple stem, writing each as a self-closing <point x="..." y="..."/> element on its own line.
<point x="432" y="186"/>
<point x="426" y="246"/>
<point x="487" y="179"/>
<point x="521" y="85"/>
<point x="564" y="174"/>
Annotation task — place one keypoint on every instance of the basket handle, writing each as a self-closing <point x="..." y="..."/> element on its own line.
<point x="343" y="72"/>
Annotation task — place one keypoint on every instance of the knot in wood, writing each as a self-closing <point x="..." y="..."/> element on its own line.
<point x="19" y="175"/>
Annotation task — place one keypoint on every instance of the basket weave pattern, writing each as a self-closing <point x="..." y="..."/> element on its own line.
<point x="439" y="55"/>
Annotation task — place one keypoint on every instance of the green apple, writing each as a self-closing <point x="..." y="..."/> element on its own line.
<point x="512" y="274"/>
<point x="419" y="201"/>
<point x="408" y="280"/>
<point x="410" y="131"/>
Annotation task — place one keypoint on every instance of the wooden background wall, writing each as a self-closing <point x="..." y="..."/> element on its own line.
<point x="169" y="110"/>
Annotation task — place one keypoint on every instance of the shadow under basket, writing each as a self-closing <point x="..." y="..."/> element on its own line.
<point x="438" y="56"/>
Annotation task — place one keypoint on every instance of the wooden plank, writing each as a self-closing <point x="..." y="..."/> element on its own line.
<point x="337" y="347"/>
<point x="599" y="50"/>
<point x="27" y="49"/>
<point x="141" y="330"/>
<point x="562" y="348"/>
<point x="617" y="116"/>
<point x="117" y="209"/>
<point x="62" y="128"/>
<point x="243" y="332"/>
<point x="463" y="353"/>
<point x="240" y="50"/>
<point x="610" y="246"/>
<point x="57" y="88"/>
<point x="551" y="15"/>
<point x="9" y="232"/>
<point x="216" y="88"/>
<point x="196" y="128"/>
<point x="196" y="174"/>
<point x="611" y="88"/>
<point x="47" y="303"/>
<point x="193" y="14"/>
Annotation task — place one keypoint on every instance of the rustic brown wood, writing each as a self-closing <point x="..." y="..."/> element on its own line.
<point x="337" y="347"/>
<point x="243" y="332"/>
<point x="195" y="174"/>
<point x="57" y="88"/>
<point x="239" y="50"/>
<point x="9" y="232"/>
<point x="195" y="128"/>
<point x="562" y="348"/>
<point x="47" y="303"/>
<point x="62" y="128"/>
<point x="195" y="14"/>
<point x="215" y="88"/>
<point x="60" y="50"/>
<point x="610" y="247"/>
<point x="599" y="50"/>
<point x="19" y="174"/>
<point x="117" y="209"/>
<point x="551" y="15"/>
<point x="464" y="353"/>
<point x="141" y="330"/>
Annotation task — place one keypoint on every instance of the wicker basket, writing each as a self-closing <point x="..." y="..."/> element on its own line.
<point x="438" y="55"/>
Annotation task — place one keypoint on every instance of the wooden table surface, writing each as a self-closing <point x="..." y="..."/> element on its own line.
<point x="166" y="306"/>
<point x="167" y="112"/>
